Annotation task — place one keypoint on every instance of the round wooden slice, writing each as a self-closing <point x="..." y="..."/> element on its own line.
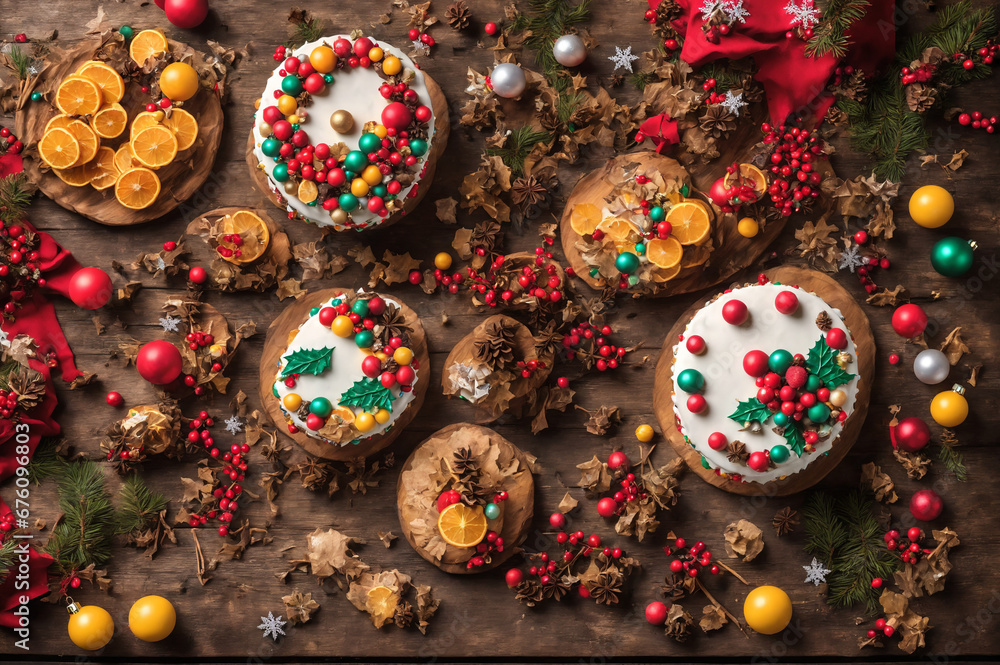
<point x="857" y="322"/>
<point x="278" y="240"/>
<point x="421" y="506"/>
<point x="178" y="180"/>
<point x="276" y="343"/>
<point x="442" y="129"/>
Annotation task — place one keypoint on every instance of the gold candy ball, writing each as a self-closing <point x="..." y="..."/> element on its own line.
<point x="264" y="129"/>
<point x="342" y="121"/>
<point x="338" y="216"/>
<point x="291" y="187"/>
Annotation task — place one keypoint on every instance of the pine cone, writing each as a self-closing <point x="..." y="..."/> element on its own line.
<point x="404" y="615"/>
<point x="496" y="347"/>
<point x="29" y="386"/>
<point x="717" y="120"/>
<point x="463" y="463"/>
<point x="458" y="15"/>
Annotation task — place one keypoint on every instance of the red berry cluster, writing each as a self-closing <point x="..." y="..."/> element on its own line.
<point x="233" y="239"/>
<point x="9" y="143"/>
<point x="881" y="626"/>
<point x="493" y="543"/>
<point x="909" y="548"/>
<point x="7" y="525"/>
<point x="978" y="121"/>
<point x="865" y="273"/>
<point x="576" y="546"/>
<point x="795" y="183"/>
<point x="8" y="404"/>
<point x="592" y="342"/>
<point x="415" y="35"/>
<point x="503" y="283"/>
<point x="690" y="560"/>
<point x="224" y="501"/>
<point x="196" y="341"/>
<point x="923" y="74"/>
<point x="19" y="267"/>
<point x="610" y="506"/>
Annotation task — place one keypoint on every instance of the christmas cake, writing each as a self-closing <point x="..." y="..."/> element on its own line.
<point x="349" y="376"/>
<point x="347" y="133"/>
<point x="764" y="380"/>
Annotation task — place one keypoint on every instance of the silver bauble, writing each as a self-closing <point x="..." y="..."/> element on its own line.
<point x="569" y="50"/>
<point x="931" y="366"/>
<point x="507" y="80"/>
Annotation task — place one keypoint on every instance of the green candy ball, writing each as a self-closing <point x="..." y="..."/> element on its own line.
<point x="691" y="381"/>
<point x="314" y="311"/>
<point x="779" y="454"/>
<point x="640" y="249"/>
<point x="657" y="214"/>
<point x="364" y="339"/>
<point x="321" y="407"/>
<point x="627" y="262"/>
<point x="369" y="143"/>
<point x="818" y="413"/>
<point x="280" y="172"/>
<point x="492" y="511"/>
<point x="328" y="78"/>
<point x="380" y="190"/>
<point x="952" y="257"/>
<point x="347" y="201"/>
<point x="271" y="147"/>
<point x="780" y="419"/>
<point x="633" y="280"/>
<point x="360" y="307"/>
<point x="36" y="96"/>
<point x="779" y="361"/>
<point x="418" y="147"/>
<point x="291" y="85"/>
<point x="813" y="383"/>
<point x="355" y="161"/>
<point x="126" y="31"/>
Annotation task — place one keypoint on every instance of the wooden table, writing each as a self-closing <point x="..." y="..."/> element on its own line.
<point x="479" y="617"/>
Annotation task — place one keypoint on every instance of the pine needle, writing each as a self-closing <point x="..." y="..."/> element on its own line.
<point x="306" y="31"/>
<point x="641" y="79"/>
<point x="831" y="35"/>
<point x="46" y="462"/>
<point x="20" y="61"/>
<point x="84" y="534"/>
<point x="517" y="147"/>
<point x="546" y="21"/>
<point x="15" y="196"/>
<point x="951" y="458"/>
<point x="139" y="505"/>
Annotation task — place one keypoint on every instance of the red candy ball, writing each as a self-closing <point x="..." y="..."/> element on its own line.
<point x="759" y="462"/>
<point x="786" y="302"/>
<point x="717" y="441"/>
<point x="342" y="48"/>
<point x="926" y="505"/>
<point x="448" y="498"/>
<point x="314" y="422"/>
<point x="719" y="193"/>
<point x="557" y="520"/>
<point x="159" y="362"/>
<point x="422" y="113"/>
<point x="696" y="403"/>
<point x="911" y="434"/>
<point x="909" y="320"/>
<point x="396" y="116"/>
<point x="371" y="366"/>
<point x="755" y="363"/>
<point x="376" y="306"/>
<point x="836" y="338"/>
<point x="796" y="376"/>
<point x="695" y="344"/>
<point x="405" y="375"/>
<point x="607" y="507"/>
<point x="735" y="312"/>
<point x="186" y="13"/>
<point x="272" y="114"/>
<point x="514" y="577"/>
<point x="90" y="288"/>
<point x="314" y="83"/>
<point x="282" y="130"/>
<point x="198" y="275"/>
<point x="656" y="613"/>
<point x="362" y="45"/>
<point x="114" y="398"/>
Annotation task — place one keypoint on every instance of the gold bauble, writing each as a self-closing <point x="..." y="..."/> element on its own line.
<point x="338" y="216"/>
<point x="290" y="187"/>
<point x="264" y="129"/>
<point x="342" y="121"/>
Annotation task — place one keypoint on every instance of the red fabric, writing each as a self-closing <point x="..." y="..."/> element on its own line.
<point x="661" y="130"/>
<point x="791" y="80"/>
<point x="38" y="582"/>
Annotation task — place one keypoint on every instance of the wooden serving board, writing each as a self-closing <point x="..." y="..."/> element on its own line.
<point x="442" y="129"/>
<point x="276" y="343"/>
<point x="178" y="180"/>
<point x="517" y="511"/>
<point x="857" y="322"/>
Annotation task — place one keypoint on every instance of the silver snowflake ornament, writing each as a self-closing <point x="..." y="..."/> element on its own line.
<point x="272" y="626"/>
<point x="623" y="59"/>
<point x="234" y="424"/>
<point x="851" y="259"/>
<point x="816" y="573"/>
<point x="803" y="14"/>
<point x="733" y="103"/>
<point x="169" y="323"/>
<point x="735" y="12"/>
<point x="708" y="8"/>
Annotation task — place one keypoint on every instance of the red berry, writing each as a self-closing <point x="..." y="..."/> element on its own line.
<point x="656" y="613"/>
<point x="514" y="577"/>
<point x="594" y="540"/>
<point x="557" y="520"/>
<point x="198" y="275"/>
<point x="913" y="534"/>
<point x="618" y="459"/>
<point x="115" y="399"/>
<point x="607" y="507"/>
<point x="490" y="28"/>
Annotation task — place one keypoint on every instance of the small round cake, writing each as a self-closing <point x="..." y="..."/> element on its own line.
<point x="349" y="376"/>
<point x="347" y="133"/>
<point x="764" y="379"/>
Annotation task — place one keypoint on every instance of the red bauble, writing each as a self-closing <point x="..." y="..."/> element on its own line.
<point x="198" y="275"/>
<point x="314" y="83"/>
<point x="717" y="441"/>
<point x="327" y="315"/>
<point x="786" y="302"/>
<point x="159" y="3"/>
<point x="755" y="363"/>
<point x="758" y="462"/>
<point x="735" y="312"/>
<point x="90" y="288"/>
<point x="114" y="399"/>
<point x="909" y="320"/>
<point x="696" y="403"/>
<point x="911" y="434"/>
<point x="557" y="520"/>
<point x="314" y="422"/>
<point x="926" y="505"/>
<point x="719" y="193"/>
<point x="618" y="459"/>
<point x="514" y="577"/>
<point x="272" y="115"/>
<point x="371" y="366"/>
<point x="186" y="13"/>
<point x="448" y="498"/>
<point x="656" y="613"/>
<point x="396" y="116"/>
<point x="796" y="376"/>
<point x="836" y="338"/>
<point x="607" y="507"/>
<point x="405" y="375"/>
<point x="695" y="344"/>
<point x="376" y="306"/>
<point x="159" y="362"/>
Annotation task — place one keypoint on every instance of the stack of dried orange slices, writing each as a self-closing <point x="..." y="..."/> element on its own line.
<point x="91" y="112"/>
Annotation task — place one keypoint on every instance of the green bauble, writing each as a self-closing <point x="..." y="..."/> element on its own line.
<point x="779" y="361"/>
<point x="779" y="454"/>
<point x="364" y="339"/>
<point x="492" y="511"/>
<point x="271" y="147"/>
<point x="640" y="249"/>
<point x="627" y="263"/>
<point x="347" y="201"/>
<point x="280" y="172"/>
<point x="36" y="96"/>
<point x="818" y="413"/>
<point x="291" y="85"/>
<point x="314" y="311"/>
<point x="360" y="307"/>
<point x="321" y="407"/>
<point x="418" y="147"/>
<point x="813" y="383"/>
<point x="380" y="190"/>
<point x="952" y="257"/>
<point x="355" y="161"/>
<point x="780" y="419"/>
<point x="328" y="78"/>
<point x="691" y="381"/>
<point x="126" y="31"/>
<point x="657" y="214"/>
<point x="369" y="143"/>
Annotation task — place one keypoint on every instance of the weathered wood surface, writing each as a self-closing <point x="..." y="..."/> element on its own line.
<point x="479" y="617"/>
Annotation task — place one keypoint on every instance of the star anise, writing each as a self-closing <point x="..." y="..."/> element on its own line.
<point x="404" y="615"/>
<point x="485" y="235"/>
<point x="717" y="120"/>
<point x="736" y="452"/>
<point x="556" y="589"/>
<point x="458" y="15"/>
<point x="548" y="341"/>
<point x="393" y="324"/>
<point x="677" y="585"/>
<point x="463" y="463"/>
<point x="823" y="321"/>
<point x="607" y="587"/>
<point x="527" y="191"/>
<point x="785" y="521"/>
<point x="495" y="348"/>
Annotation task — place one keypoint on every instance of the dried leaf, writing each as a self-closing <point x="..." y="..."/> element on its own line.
<point x="330" y="552"/>
<point x="743" y="539"/>
<point x="567" y="503"/>
<point x="299" y="607"/>
<point x="594" y="476"/>
<point x="887" y="298"/>
<point x="713" y="617"/>
<point x="445" y="210"/>
<point x="602" y="419"/>
<point x="880" y="483"/>
<point x="916" y="465"/>
<point x="954" y="346"/>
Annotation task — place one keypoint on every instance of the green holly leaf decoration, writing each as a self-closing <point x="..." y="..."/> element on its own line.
<point x="793" y="436"/>
<point x="752" y="409"/>
<point x="368" y="394"/>
<point x="822" y="362"/>
<point x="308" y="361"/>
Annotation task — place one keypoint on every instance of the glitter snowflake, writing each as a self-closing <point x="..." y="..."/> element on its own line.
<point x="852" y="259"/>
<point x="802" y="14"/>
<point x="272" y="626"/>
<point x="708" y="8"/>
<point x="160" y="263"/>
<point x="420" y="48"/>
<point x="816" y="573"/>
<point x="623" y="59"/>
<point x="234" y="425"/>
<point x="733" y="103"/>
<point x="169" y="323"/>
<point x="735" y="12"/>
<point x="4" y="338"/>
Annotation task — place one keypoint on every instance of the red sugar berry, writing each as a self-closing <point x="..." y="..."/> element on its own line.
<point x="796" y="376"/>
<point x="735" y="312"/>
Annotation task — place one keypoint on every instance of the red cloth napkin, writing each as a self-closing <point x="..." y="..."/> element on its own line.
<point x="37" y="578"/>
<point x="661" y="130"/>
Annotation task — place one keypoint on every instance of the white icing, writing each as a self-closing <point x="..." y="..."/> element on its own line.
<point x="354" y="90"/>
<point x="727" y="384"/>
<point x="344" y="370"/>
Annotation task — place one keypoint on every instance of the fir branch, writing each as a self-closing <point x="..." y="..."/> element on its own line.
<point x="20" y="62"/>
<point x="831" y="35"/>
<point x="306" y="30"/>
<point x="15" y="196"/>
<point x="517" y="147"/>
<point x="951" y="458"/>
<point x="566" y="106"/>
<point x="824" y="531"/>
<point x="641" y="79"/>
<point x="83" y="536"/>
<point x="139" y="505"/>
<point x="8" y="558"/>
<point x="544" y="22"/>
<point x="46" y="462"/>
<point x="726" y="76"/>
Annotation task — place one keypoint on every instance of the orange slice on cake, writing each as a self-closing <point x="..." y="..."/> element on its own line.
<point x="585" y="218"/>
<point x="147" y="44"/>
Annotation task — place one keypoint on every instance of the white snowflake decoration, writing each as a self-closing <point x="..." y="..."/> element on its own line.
<point x="623" y="59"/>
<point x="816" y="573"/>
<point x="708" y="8"/>
<point x="420" y="48"/>
<point x="4" y="338"/>
<point x="272" y="626"/>
<point x="169" y="323"/>
<point x="852" y="259"/>
<point x="733" y="103"/>
<point x="234" y="425"/>
<point x="735" y="11"/>
<point x="160" y="263"/>
<point x="802" y="14"/>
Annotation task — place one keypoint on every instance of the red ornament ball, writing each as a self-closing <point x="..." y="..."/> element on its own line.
<point x="376" y="306"/>
<point x="405" y="375"/>
<point x="448" y="498"/>
<point x="114" y="399"/>
<point x="836" y="338"/>
<point x="786" y="302"/>
<point x="755" y="363"/>
<point x="159" y="362"/>
<point x="796" y="376"/>
<point x="696" y="403"/>
<point x="490" y="28"/>
<point x="607" y="507"/>
<point x="695" y="344"/>
<point x="90" y="288"/>
<point x="656" y="613"/>
<point x="557" y="520"/>
<point x="186" y="13"/>
<point x="926" y="505"/>
<point x="618" y="459"/>
<point x="371" y="366"/>
<point x="911" y="434"/>
<point x="893" y="358"/>
<point x="717" y="441"/>
<point x="198" y="275"/>
<point x="314" y="422"/>
<point x="719" y="193"/>
<point x="272" y="114"/>
<point x="909" y="320"/>
<point x="735" y="312"/>
<point x="759" y="462"/>
<point x="396" y="116"/>
<point x="314" y="83"/>
<point x="327" y="315"/>
<point x="514" y="577"/>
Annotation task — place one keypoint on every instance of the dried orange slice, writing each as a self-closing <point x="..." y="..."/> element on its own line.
<point x="147" y="44"/>
<point x="107" y="79"/>
<point x="344" y="413"/>
<point x="748" y="172"/>
<point x="143" y="120"/>
<point x="253" y="238"/>
<point x="78" y="96"/>
<point x="76" y="176"/>
<point x="381" y="604"/>
<point x="664" y="252"/>
<point x="88" y="139"/>
<point x="689" y="223"/>
<point x="618" y="229"/>
<point x="585" y="218"/>
<point x="60" y="120"/>
<point x="461" y="525"/>
<point x="110" y="121"/>
<point x="184" y="127"/>
<point x="308" y="191"/>
<point x="59" y="148"/>
<point x="137" y="188"/>
<point x="102" y="172"/>
<point x="123" y="158"/>
<point x="154" y="146"/>
<point x="666" y="274"/>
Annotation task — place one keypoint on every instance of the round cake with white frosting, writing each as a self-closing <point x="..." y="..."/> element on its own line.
<point x="764" y="379"/>
<point x="348" y="372"/>
<point x="346" y="131"/>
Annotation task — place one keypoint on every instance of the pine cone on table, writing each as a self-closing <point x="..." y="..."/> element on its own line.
<point x="458" y="15"/>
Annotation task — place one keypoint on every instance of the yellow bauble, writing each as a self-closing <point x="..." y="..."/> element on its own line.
<point x="748" y="227"/>
<point x="152" y="618"/>
<point x="342" y="326"/>
<point x="442" y="261"/>
<point x="365" y="422"/>
<point x="931" y="206"/>
<point x="293" y="119"/>
<point x="292" y="401"/>
<point x="403" y="355"/>
<point x="287" y="104"/>
<point x="323" y="59"/>
<point x="178" y="81"/>
<point x="376" y="54"/>
<point x="949" y="408"/>
<point x="392" y="66"/>
<point x="382" y="416"/>
<point x="359" y="187"/>
<point x="90" y="626"/>
<point x="380" y="131"/>
<point x="644" y="433"/>
<point x="371" y="175"/>
<point x="767" y="610"/>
